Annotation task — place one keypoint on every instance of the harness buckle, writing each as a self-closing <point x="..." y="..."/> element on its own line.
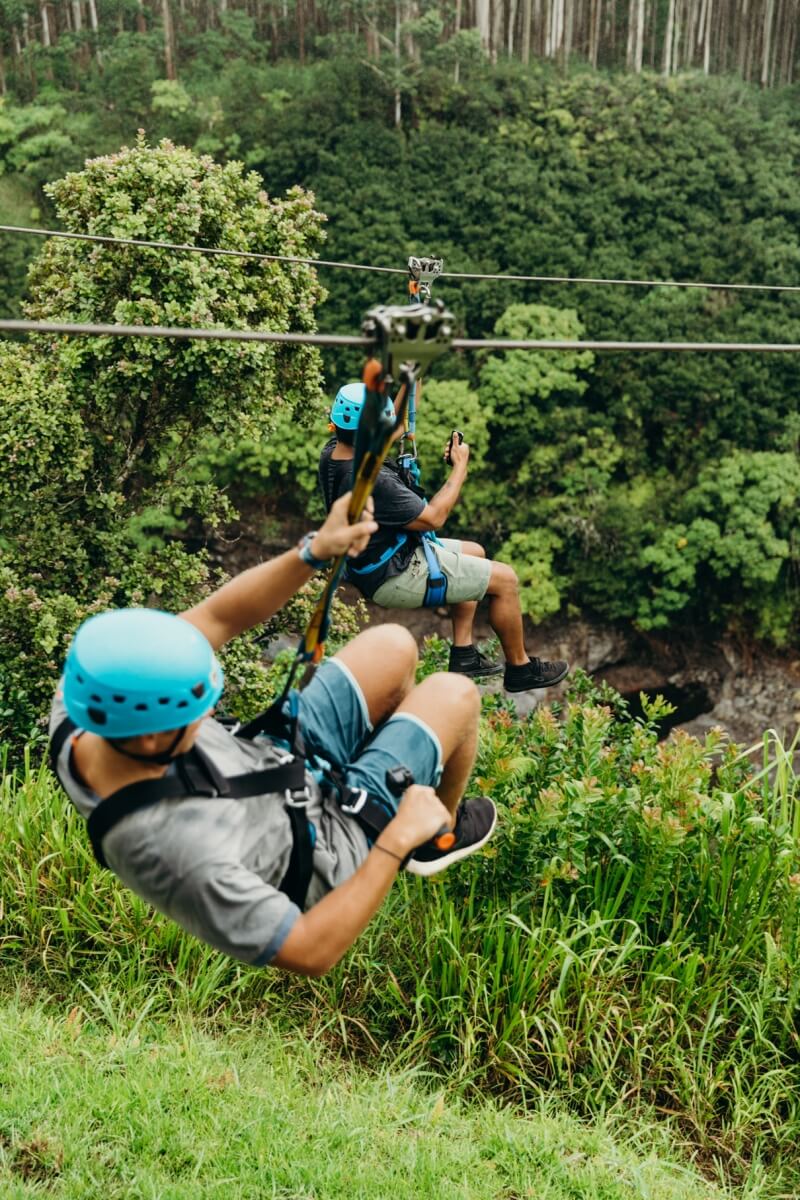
<point x="299" y="798"/>
<point x="358" y="798"/>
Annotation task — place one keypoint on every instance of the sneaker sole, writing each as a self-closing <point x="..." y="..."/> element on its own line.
<point x="486" y="673"/>
<point x="426" y="869"/>
<point x="531" y="687"/>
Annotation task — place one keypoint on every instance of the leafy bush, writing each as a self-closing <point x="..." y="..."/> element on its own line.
<point x="99" y="434"/>
<point x="630" y="938"/>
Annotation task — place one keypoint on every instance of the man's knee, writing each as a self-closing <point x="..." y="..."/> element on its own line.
<point x="503" y="579"/>
<point x="457" y="695"/>
<point x="394" y="644"/>
<point x="473" y="549"/>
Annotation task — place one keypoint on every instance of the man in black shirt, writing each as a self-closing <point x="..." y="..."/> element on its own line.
<point x="404" y="561"/>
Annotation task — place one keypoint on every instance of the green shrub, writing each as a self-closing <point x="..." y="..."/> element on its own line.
<point x="98" y="435"/>
<point x="630" y="938"/>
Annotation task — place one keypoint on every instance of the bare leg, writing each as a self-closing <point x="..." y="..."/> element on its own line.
<point x="505" y="615"/>
<point x="462" y="616"/>
<point x="383" y="660"/>
<point x="450" y="706"/>
<point x="463" y="613"/>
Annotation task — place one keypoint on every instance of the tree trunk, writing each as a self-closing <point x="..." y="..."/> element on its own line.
<point x="141" y="23"/>
<point x="676" y="39"/>
<point x="45" y="24"/>
<point x="457" y="64"/>
<point x="667" y="69"/>
<point x="77" y="16"/>
<point x="301" y="32"/>
<point x="398" y="108"/>
<point x="512" y="25"/>
<point x="707" y="45"/>
<point x="769" y="11"/>
<point x="639" y="46"/>
<point x="568" y="27"/>
<point x="169" y="40"/>
<point x="482" y="22"/>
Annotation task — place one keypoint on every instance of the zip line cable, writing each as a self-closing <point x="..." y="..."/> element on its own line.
<point x="178" y="331"/>
<point x="673" y="283"/>
<point x="347" y="266"/>
<point x="179" y="246"/>
<point x="343" y="339"/>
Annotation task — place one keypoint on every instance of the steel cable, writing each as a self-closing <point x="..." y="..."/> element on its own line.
<point x="348" y="266"/>
<point x="342" y="339"/>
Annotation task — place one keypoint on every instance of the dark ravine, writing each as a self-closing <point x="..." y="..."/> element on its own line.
<point x="742" y="688"/>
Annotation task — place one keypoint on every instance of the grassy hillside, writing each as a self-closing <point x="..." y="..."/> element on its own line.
<point x="630" y="944"/>
<point x="99" y="1102"/>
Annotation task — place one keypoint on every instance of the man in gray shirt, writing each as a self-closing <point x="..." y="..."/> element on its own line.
<point x="132" y="717"/>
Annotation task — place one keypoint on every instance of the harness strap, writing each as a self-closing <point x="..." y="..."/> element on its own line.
<point x="389" y="552"/>
<point x="196" y="774"/>
<point x="436" y="591"/>
<point x="192" y="778"/>
<point x="60" y="735"/>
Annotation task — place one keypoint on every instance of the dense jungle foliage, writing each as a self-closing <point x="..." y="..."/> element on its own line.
<point x="655" y="488"/>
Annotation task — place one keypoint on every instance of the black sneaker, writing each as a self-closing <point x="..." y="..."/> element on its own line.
<point x="535" y="673"/>
<point x="475" y="822"/>
<point x="468" y="660"/>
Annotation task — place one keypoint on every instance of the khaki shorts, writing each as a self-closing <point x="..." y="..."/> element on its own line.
<point x="467" y="577"/>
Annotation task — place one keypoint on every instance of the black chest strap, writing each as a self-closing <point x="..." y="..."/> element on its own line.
<point x="196" y="775"/>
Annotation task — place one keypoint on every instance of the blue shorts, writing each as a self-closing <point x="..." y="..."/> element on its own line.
<point x="335" y="725"/>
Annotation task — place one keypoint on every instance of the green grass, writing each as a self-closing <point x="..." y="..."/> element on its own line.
<point x="94" y="1104"/>
<point x="630" y="946"/>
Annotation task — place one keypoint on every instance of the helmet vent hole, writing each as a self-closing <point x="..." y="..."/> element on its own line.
<point x="79" y="678"/>
<point x="140" y="707"/>
<point x="198" y="690"/>
<point x="96" y="699"/>
<point x="163" y="699"/>
<point x="96" y="716"/>
<point x="118" y="699"/>
<point x="183" y="704"/>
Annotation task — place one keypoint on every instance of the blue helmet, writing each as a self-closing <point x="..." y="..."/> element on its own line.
<point x="348" y="405"/>
<point x="138" y="670"/>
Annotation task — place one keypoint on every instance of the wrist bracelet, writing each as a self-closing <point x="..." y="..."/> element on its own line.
<point x="378" y="846"/>
<point x="305" y="552"/>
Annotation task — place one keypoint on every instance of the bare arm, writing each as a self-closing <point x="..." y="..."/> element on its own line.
<point x="437" y="510"/>
<point x="257" y="594"/>
<point x="320" y="937"/>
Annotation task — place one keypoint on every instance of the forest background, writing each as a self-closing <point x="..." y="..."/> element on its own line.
<point x="631" y="943"/>
<point x="653" y="489"/>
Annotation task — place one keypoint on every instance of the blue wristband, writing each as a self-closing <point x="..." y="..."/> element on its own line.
<point x="304" y="550"/>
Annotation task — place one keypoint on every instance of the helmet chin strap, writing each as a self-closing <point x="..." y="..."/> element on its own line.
<point x="162" y="758"/>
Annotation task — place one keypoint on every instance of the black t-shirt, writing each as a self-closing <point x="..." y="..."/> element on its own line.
<point x="396" y="505"/>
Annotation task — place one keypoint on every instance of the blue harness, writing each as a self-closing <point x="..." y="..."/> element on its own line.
<point x="436" y="590"/>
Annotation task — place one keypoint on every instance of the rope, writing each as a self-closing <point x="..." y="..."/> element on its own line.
<point x="116" y="241"/>
<point x="348" y="266"/>
<point x="341" y="339"/>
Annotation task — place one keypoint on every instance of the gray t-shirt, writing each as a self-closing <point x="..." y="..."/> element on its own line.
<point x="214" y="865"/>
